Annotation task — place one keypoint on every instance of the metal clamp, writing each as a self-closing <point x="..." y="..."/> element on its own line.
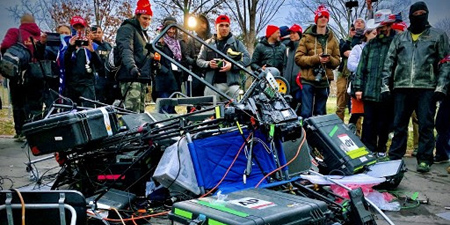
<point x="62" y="215"/>
<point x="9" y="212"/>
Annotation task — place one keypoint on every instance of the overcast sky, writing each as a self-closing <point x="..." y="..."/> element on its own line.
<point x="438" y="10"/>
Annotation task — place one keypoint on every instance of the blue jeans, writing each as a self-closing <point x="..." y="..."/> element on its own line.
<point x="443" y="130"/>
<point x="405" y="102"/>
<point x="314" y="101"/>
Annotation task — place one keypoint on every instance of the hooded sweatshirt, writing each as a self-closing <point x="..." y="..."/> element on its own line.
<point x="27" y="30"/>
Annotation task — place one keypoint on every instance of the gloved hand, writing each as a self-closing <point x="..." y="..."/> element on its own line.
<point x="385" y="96"/>
<point x="135" y="72"/>
<point x="438" y="96"/>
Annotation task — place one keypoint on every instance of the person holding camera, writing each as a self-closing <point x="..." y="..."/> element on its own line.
<point x="219" y="72"/>
<point x="412" y="72"/>
<point x="80" y="62"/>
<point x="317" y="55"/>
<point x="132" y="43"/>
<point x="378" y="112"/>
<point x="269" y="52"/>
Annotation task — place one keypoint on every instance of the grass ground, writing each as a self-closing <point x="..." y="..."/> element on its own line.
<point x="7" y="126"/>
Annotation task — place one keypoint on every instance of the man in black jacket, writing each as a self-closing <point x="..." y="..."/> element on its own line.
<point x="134" y="73"/>
<point x="270" y="52"/>
<point x="80" y="64"/>
<point x="411" y="70"/>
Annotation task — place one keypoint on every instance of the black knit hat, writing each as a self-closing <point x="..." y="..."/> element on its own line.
<point x="418" y="6"/>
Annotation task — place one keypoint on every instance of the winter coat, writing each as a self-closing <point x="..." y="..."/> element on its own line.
<point x="291" y="69"/>
<point x="166" y="79"/>
<point x="368" y="74"/>
<point x="412" y="64"/>
<point x="271" y="55"/>
<point x="103" y="51"/>
<point x="307" y="56"/>
<point x="131" y="41"/>
<point x="354" y="57"/>
<point x="76" y="63"/>
<point x="206" y="55"/>
<point x="27" y="30"/>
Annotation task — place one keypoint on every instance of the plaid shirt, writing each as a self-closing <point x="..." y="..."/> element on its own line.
<point x="368" y="74"/>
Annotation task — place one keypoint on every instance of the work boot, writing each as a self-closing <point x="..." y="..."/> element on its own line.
<point x="423" y="167"/>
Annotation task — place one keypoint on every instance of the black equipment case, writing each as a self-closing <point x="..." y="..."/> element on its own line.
<point x="342" y="151"/>
<point x="43" y="207"/>
<point x="253" y="206"/>
<point x="65" y="131"/>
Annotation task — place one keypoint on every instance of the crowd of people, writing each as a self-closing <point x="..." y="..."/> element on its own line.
<point x="386" y="71"/>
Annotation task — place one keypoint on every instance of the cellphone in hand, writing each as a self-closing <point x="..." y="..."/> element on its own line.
<point x="81" y="42"/>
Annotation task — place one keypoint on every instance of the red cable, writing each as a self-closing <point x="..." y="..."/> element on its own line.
<point x="290" y="161"/>
<point x="209" y="192"/>
<point x="229" y="168"/>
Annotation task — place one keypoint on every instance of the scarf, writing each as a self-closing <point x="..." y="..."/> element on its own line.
<point x="174" y="46"/>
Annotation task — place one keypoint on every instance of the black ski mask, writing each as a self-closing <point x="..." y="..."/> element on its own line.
<point x="418" y="23"/>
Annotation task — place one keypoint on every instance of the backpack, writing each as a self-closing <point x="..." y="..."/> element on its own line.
<point x="15" y="60"/>
<point x="112" y="63"/>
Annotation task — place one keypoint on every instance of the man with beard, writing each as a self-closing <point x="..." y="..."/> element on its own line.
<point x="269" y="52"/>
<point x="411" y="67"/>
<point x="377" y="110"/>
<point x="219" y="72"/>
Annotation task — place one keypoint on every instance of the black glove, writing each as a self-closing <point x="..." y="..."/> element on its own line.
<point x="384" y="96"/>
<point x="135" y="72"/>
<point x="438" y="96"/>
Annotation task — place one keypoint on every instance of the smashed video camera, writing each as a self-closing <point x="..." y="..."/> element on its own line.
<point x="271" y="109"/>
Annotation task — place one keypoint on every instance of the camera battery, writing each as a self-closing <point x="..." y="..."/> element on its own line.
<point x="253" y="206"/>
<point x="341" y="150"/>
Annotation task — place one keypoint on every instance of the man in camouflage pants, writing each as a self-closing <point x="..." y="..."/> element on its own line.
<point x="134" y="73"/>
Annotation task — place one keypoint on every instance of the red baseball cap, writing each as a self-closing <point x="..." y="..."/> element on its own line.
<point x="78" y="20"/>
<point x="296" y="28"/>
<point x="222" y="19"/>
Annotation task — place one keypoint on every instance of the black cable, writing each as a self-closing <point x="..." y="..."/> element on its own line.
<point x="2" y="179"/>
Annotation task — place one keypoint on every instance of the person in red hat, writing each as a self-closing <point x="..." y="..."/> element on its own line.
<point x="269" y="52"/>
<point x="317" y="55"/>
<point x="292" y="70"/>
<point x="219" y="72"/>
<point x="134" y="73"/>
<point x="80" y="63"/>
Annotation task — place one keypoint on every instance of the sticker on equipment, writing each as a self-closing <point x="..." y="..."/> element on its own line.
<point x="348" y="142"/>
<point x="252" y="203"/>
